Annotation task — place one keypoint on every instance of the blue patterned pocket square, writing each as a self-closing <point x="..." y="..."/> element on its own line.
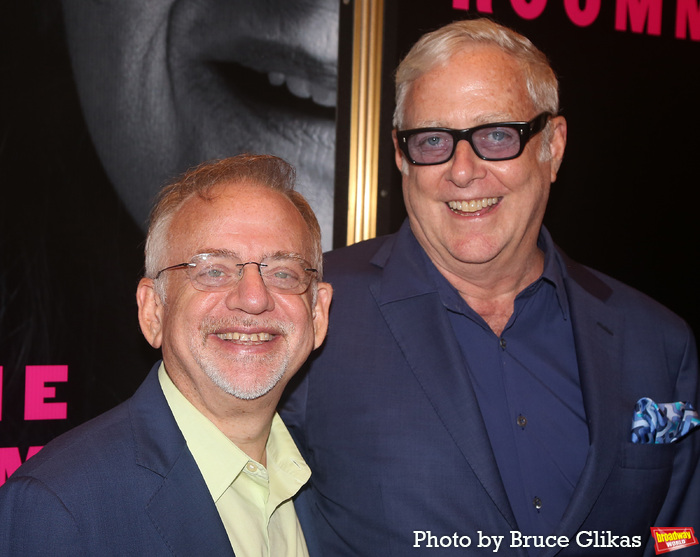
<point x="665" y="422"/>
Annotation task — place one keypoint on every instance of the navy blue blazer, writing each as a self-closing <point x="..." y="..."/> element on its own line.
<point x="124" y="483"/>
<point x="387" y="419"/>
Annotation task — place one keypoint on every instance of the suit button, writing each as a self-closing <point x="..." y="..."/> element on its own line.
<point x="537" y="503"/>
<point x="521" y="421"/>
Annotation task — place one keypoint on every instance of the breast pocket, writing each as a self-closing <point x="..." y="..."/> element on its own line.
<point x="648" y="456"/>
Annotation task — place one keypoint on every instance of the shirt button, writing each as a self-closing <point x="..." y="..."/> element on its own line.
<point x="252" y="467"/>
<point x="503" y="343"/>
<point x="521" y="421"/>
<point x="537" y="503"/>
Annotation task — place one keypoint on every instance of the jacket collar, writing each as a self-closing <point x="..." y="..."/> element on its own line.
<point x="181" y="507"/>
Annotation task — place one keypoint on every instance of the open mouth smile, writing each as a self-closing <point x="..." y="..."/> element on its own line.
<point x="246" y="338"/>
<point x="473" y="205"/>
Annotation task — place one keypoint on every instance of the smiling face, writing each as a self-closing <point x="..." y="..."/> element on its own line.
<point x="468" y="211"/>
<point x="246" y="342"/>
<point x="196" y="80"/>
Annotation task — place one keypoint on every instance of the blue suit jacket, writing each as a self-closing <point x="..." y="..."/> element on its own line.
<point x="389" y="423"/>
<point x="122" y="484"/>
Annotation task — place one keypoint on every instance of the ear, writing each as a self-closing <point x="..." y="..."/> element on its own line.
<point x="398" y="155"/>
<point x="324" y="294"/>
<point x="557" y="144"/>
<point x="150" y="312"/>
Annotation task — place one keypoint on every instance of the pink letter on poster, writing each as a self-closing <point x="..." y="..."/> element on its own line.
<point x="10" y="460"/>
<point x="36" y="393"/>
<point x="31" y="451"/>
<point x="529" y="9"/>
<point x="688" y="15"/>
<point x="582" y="17"/>
<point x="483" y="6"/>
<point x="640" y="12"/>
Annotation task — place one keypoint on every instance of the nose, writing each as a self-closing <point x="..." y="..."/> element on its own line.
<point x="465" y="165"/>
<point x="250" y="294"/>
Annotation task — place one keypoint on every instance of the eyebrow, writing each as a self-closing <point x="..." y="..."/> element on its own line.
<point x="274" y="255"/>
<point x="213" y="251"/>
<point x="481" y="120"/>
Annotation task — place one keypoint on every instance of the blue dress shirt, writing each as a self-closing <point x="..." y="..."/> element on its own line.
<point x="527" y="384"/>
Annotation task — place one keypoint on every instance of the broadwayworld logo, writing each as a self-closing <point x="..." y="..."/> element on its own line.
<point x="670" y="539"/>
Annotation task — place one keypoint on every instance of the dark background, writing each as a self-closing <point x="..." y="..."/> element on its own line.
<point x="70" y="255"/>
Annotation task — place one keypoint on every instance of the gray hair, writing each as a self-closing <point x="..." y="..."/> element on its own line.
<point x="266" y="170"/>
<point x="436" y="48"/>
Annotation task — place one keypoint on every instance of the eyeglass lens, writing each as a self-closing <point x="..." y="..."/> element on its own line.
<point x="493" y="143"/>
<point x="220" y="272"/>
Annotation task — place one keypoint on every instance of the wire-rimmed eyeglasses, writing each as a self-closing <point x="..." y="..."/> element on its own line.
<point x="217" y="272"/>
<point x="499" y="141"/>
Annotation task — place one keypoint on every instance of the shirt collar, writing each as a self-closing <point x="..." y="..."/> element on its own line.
<point x="554" y="270"/>
<point x="418" y="275"/>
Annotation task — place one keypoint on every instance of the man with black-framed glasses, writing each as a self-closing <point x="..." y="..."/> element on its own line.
<point x="480" y="391"/>
<point x="197" y="462"/>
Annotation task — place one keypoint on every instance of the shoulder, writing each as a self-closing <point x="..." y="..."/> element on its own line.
<point x="351" y="269"/>
<point x="102" y="441"/>
<point x="358" y="258"/>
<point x="101" y="445"/>
<point x="47" y="498"/>
<point x="640" y="310"/>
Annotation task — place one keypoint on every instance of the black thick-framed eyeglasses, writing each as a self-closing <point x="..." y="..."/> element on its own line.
<point x="499" y="141"/>
<point x="218" y="272"/>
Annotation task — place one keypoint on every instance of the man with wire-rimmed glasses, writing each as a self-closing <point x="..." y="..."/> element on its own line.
<point x="197" y="462"/>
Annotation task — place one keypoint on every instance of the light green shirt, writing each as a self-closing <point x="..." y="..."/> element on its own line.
<point x="254" y="502"/>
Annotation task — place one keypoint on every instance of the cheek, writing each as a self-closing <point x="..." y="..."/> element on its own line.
<point x="184" y="316"/>
<point x="524" y="176"/>
<point x="181" y="332"/>
<point x="300" y="315"/>
<point x="415" y="190"/>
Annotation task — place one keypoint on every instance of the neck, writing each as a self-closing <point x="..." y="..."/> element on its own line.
<point x="248" y="430"/>
<point x="490" y="288"/>
<point x="246" y="423"/>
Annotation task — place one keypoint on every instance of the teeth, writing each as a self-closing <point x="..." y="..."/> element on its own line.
<point x="299" y="87"/>
<point x="472" y="206"/>
<point x="303" y="88"/>
<point x="322" y="96"/>
<point x="244" y="337"/>
<point x="276" y="78"/>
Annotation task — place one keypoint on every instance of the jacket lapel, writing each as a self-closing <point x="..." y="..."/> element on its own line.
<point x="434" y="357"/>
<point x="598" y="338"/>
<point x="184" y="513"/>
<point x="181" y="507"/>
